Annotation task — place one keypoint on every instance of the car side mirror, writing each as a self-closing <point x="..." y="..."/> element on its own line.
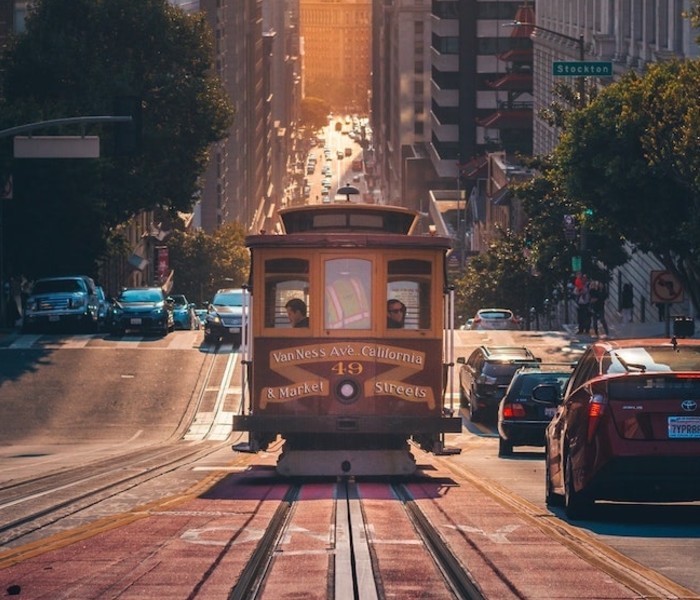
<point x="546" y="393"/>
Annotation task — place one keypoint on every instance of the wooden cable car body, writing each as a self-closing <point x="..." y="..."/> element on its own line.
<point x="346" y="391"/>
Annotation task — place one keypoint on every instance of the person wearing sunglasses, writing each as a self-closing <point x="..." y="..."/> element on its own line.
<point x="396" y="314"/>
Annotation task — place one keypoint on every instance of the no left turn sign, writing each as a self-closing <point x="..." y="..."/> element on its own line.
<point x="665" y="287"/>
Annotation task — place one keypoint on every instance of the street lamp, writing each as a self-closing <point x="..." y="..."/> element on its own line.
<point x="577" y="40"/>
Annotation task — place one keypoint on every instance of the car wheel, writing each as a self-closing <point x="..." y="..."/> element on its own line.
<point x="209" y="338"/>
<point x="550" y="497"/>
<point x="577" y="505"/>
<point x="505" y="448"/>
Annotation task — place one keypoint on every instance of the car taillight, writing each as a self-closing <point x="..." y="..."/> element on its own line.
<point x="596" y="410"/>
<point x="513" y="411"/>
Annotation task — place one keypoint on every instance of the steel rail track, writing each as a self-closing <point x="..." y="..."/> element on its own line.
<point x="104" y="479"/>
<point x="456" y="576"/>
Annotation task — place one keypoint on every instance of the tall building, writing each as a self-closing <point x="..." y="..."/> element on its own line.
<point x="631" y="35"/>
<point x="337" y="52"/>
<point x="401" y="88"/>
<point x="237" y="179"/>
<point x="281" y="34"/>
<point x="469" y="74"/>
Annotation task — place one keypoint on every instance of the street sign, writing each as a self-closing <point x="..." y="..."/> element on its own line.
<point x="582" y="68"/>
<point x="63" y="146"/>
<point x="665" y="288"/>
<point x="575" y="264"/>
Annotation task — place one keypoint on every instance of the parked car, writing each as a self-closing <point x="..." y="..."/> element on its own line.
<point x="62" y="301"/>
<point x="103" y="308"/>
<point x="495" y="318"/>
<point x="184" y="316"/>
<point x="142" y="308"/>
<point x="485" y="375"/>
<point x="201" y="317"/>
<point x="628" y="427"/>
<point x="224" y="316"/>
<point x="522" y="419"/>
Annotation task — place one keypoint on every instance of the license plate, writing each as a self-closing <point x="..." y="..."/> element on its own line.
<point x="135" y="321"/>
<point x="234" y="329"/>
<point x="549" y="411"/>
<point x="54" y="318"/>
<point x="683" y="427"/>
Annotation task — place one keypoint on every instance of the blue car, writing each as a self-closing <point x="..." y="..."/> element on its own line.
<point x="225" y="316"/>
<point x="144" y="309"/>
<point x="183" y="312"/>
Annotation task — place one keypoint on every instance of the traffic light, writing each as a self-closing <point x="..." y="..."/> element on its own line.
<point x="127" y="136"/>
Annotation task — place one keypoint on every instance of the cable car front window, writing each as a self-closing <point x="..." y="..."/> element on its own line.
<point x="285" y="279"/>
<point x="348" y="292"/>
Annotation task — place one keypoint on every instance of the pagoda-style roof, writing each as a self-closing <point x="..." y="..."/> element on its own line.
<point x="507" y="119"/>
<point x="517" y="82"/>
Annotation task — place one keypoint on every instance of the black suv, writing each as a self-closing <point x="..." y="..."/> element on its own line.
<point x="486" y="374"/>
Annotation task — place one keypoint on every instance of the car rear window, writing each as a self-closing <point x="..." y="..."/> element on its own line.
<point x="527" y="383"/>
<point x="495" y="314"/>
<point x="501" y="369"/>
<point x="652" y="358"/>
<point x="657" y="387"/>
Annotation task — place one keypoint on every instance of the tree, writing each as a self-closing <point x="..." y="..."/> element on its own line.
<point x="631" y="156"/>
<point x="500" y="277"/>
<point x="314" y="112"/>
<point x="204" y="263"/>
<point x="84" y="58"/>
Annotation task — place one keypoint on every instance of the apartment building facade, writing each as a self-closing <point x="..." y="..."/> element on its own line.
<point x="337" y="52"/>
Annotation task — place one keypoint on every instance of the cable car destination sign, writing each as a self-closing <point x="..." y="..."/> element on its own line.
<point x="582" y="68"/>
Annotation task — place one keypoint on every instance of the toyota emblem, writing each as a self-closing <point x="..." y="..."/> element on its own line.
<point x="689" y="405"/>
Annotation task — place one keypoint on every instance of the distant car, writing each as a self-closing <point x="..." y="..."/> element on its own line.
<point x="183" y="312"/>
<point x="103" y="307"/>
<point x="146" y="309"/>
<point x="495" y="318"/>
<point x="224" y="316"/>
<point x="522" y="419"/>
<point x="485" y="376"/>
<point x="201" y="314"/>
<point x="628" y="426"/>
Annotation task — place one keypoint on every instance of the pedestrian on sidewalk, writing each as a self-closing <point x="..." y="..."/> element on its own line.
<point x="583" y="301"/>
<point x="598" y="296"/>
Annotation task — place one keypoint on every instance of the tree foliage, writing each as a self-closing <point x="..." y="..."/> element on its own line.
<point x="501" y="277"/>
<point x="314" y="112"/>
<point x="631" y="156"/>
<point x="79" y="58"/>
<point x="204" y="263"/>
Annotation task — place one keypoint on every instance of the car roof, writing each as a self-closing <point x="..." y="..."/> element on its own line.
<point x="506" y="352"/>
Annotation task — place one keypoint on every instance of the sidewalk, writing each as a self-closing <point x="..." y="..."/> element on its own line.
<point x="631" y="330"/>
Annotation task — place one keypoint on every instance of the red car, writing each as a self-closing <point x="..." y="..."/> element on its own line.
<point x="628" y="427"/>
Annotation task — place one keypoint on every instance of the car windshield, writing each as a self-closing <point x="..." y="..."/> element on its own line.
<point x="179" y="300"/>
<point x="228" y="299"/>
<point x="652" y="358"/>
<point x="141" y="296"/>
<point x="51" y="286"/>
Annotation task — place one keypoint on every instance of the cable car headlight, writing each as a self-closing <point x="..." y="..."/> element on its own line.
<point x="347" y="391"/>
